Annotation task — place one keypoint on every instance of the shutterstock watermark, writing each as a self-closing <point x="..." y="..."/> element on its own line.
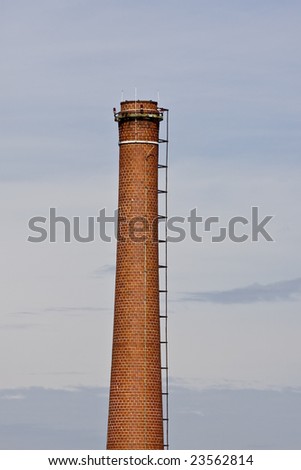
<point x="238" y="229"/>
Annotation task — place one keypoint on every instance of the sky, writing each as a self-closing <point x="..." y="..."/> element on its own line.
<point x="230" y="74"/>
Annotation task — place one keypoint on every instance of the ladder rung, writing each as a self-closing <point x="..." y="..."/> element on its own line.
<point x="162" y="141"/>
<point x="162" y="217"/>
<point x="164" y="393"/>
<point x="162" y="290"/>
<point x="162" y="266"/>
<point x="163" y="316"/>
<point x="165" y="419"/>
<point x="160" y="165"/>
<point x="162" y="191"/>
<point x="161" y="240"/>
<point x="163" y="342"/>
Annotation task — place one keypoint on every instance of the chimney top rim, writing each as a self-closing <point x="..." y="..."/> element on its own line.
<point x="139" y="101"/>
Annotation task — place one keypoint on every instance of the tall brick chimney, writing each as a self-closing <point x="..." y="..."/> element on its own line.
<point x="135" y="408"/>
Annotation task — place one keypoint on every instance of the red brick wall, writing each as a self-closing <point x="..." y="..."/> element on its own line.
<point x="135" y="409"/>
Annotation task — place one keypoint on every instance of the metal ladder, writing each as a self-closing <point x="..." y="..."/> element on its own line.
<point x="162" y="240"/>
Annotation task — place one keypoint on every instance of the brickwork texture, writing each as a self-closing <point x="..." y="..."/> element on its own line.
<point x="135" y="406"/>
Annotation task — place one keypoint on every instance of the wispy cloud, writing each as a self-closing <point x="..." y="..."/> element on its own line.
<point x="14" y="396"/>
<point x="73" y="309"/>
<point x="104" y="270"/>
<point x="67" y="310"/>
<point x="20" y="326"/>
<point x="23" y="312"/>
<point x="277" y="291"/>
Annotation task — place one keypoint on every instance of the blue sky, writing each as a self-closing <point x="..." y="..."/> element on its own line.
<point x="230" y="74"/>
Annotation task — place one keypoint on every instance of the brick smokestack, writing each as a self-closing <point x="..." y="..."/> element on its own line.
<point x="135" y="409"/>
